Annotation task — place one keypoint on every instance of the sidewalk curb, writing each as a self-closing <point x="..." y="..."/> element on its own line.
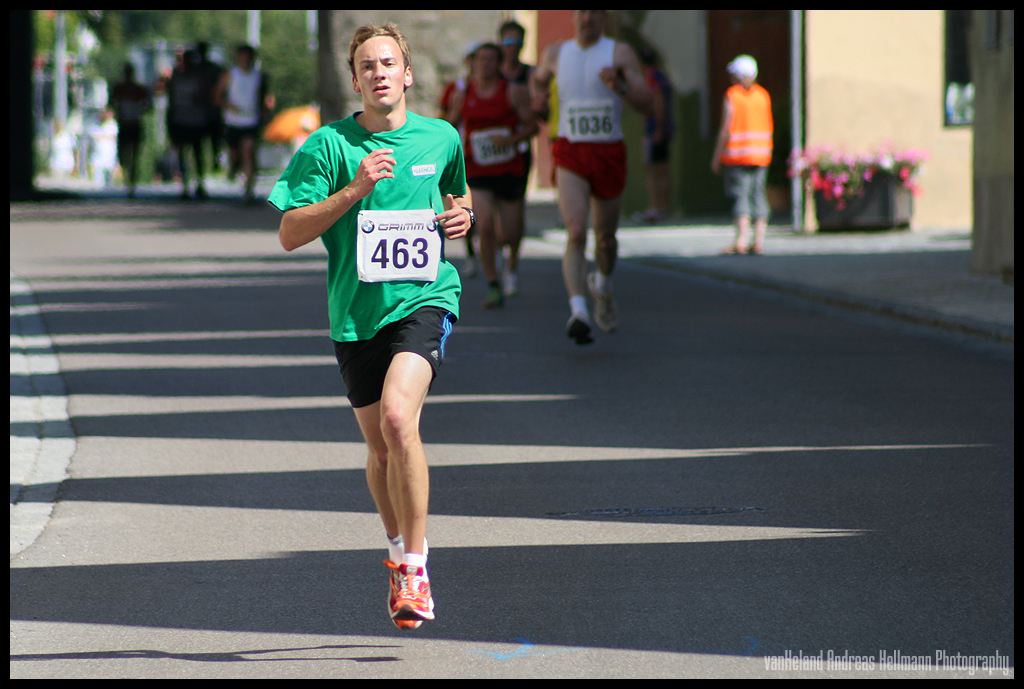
<point x="42" y="438"/>
<point x="911" y="314"/>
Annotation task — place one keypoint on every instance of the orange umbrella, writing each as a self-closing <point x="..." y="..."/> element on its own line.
<point x="291" y="123"/>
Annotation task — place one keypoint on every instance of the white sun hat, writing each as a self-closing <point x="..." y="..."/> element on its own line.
<point x="743" y="67"/>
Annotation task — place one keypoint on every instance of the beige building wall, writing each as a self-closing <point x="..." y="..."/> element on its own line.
<point x="875" y="77"/>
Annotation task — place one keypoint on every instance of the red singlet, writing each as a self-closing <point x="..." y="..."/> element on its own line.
<point x="481" y="118"/>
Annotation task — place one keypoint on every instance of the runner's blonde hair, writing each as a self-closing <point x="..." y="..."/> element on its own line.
<point x="365" y="33"/>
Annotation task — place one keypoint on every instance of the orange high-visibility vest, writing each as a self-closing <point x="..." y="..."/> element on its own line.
<point x="750" y="131"/>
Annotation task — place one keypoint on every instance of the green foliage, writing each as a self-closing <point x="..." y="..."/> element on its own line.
<point x="285" y="54"/>
<point x="224" y="27"/>
<point x="286" y="57"/>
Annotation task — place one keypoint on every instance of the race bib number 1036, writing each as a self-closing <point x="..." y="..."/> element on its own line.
<point x="591" y="121"/>
<point x="397" y="245"/>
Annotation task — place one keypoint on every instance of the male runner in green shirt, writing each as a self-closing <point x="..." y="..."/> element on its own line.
<point x="372" y="187"/>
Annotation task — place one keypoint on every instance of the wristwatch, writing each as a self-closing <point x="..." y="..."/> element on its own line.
<point x="472" y="216"/>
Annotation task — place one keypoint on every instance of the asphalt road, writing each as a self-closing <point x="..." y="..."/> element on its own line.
<point x="734" y="479"/>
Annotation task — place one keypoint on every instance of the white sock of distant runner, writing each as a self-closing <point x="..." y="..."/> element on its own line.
<point x="578" y="306"/>
<point x="603" y="283"/>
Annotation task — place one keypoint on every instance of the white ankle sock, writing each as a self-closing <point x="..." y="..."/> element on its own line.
<point x="603" y="283"/>
<point x="578" y="306"/>
<point x="417" y="560"/>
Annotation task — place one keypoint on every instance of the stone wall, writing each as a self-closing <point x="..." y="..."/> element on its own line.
<point x="992" y="72"/>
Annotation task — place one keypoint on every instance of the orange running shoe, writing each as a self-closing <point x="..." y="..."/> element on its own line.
<point x="413" y="603"/>
<point x="393" y="595"/>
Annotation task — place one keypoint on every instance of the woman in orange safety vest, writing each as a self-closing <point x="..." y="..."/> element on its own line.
<point x="744" y="149"/>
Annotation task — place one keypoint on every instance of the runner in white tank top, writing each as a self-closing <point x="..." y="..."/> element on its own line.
<point x="242" y="95"/>
<point x="594" y="76"/>
<point x="243" y="98"/>
<point x="588" y="110"/>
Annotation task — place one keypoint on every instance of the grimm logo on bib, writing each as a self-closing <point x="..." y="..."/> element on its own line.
<point x="397" y="246"/>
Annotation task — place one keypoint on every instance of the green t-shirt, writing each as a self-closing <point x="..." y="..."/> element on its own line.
<point x="429" y="164"/>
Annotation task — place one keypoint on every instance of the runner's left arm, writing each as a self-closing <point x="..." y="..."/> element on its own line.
<point x="626" y="78"/>
<point x="456" y="220"/>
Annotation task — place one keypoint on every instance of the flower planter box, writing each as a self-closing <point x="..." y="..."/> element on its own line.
<point x="885" y="204"/>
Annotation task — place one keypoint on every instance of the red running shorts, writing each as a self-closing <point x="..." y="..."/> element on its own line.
<point x="602" y="165"/>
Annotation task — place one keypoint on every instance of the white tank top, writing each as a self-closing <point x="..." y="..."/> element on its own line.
<point x="587" y="109"/>
<point x="244" y="95"/>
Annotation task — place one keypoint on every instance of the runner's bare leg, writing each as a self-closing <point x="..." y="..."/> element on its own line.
<point x="396" y="469"/>
<point x="574" y="204"/>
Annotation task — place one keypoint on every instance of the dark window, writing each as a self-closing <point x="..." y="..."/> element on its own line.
<point x="959" y="92"/>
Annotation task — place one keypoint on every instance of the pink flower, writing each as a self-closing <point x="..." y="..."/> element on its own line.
<point x="839" y="175"/>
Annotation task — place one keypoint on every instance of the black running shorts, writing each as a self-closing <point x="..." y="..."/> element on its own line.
<point x="505" y="187"/>
<point x="364" y="363"/>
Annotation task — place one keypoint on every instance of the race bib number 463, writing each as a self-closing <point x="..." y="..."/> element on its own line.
<point x="397" y="245"/>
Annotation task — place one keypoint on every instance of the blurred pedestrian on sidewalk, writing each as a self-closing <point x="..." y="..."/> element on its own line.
<point x="188" y="96"/>
<point x="211" y="73"/>
<point x="103" y="153"/>
<point x="658" y="130"/>
<point x="63" y="152"/>
<point x="130" y="100"/>
<point x="744" y="151"/>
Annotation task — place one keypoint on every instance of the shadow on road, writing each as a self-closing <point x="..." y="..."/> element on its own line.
<point x="922" y="557"/>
